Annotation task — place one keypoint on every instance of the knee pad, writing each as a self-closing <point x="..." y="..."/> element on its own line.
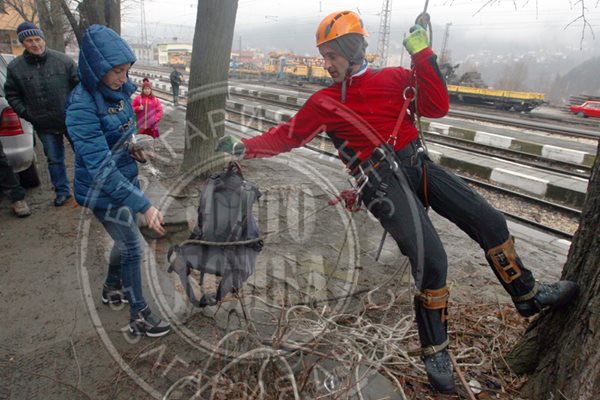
<point x="503" y="259"/>
<point x="435" y="299"/>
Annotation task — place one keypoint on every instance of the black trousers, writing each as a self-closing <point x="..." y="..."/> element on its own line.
<point x="389" y="195"/>
<point x="9" y="182"/>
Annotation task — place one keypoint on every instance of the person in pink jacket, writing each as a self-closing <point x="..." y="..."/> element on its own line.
<point x="148" y="111"/>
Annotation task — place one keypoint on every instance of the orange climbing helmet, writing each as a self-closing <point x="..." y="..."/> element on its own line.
<point x="338" y="24"/>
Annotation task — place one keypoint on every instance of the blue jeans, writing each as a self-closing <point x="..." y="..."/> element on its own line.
<point x="54" y="150"/>
<point x="126" y="255"/>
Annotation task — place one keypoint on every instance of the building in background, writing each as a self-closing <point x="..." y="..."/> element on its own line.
<point x="145" y="53"/>
<point x="9" y="20"/>
<point x="175" y="54"/>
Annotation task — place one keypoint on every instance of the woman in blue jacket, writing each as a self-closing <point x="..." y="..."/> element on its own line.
<point x="101" y="123"/>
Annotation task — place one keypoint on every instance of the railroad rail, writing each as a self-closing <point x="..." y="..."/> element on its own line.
<point x="520" y="123"/>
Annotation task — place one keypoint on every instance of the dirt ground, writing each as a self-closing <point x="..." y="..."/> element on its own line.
<point x="57" y="341"/>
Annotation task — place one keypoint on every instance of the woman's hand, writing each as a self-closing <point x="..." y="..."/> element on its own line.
<point x="141" y="108"/>
<point x="139" y="156"/>
<point x="155" y="220"/>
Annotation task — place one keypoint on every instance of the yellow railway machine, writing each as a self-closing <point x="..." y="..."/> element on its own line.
<point x="501" y="99"/>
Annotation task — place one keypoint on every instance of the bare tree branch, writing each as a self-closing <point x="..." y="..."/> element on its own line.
<point x="583" y="16"/>
<point x="72" y="20"/>
<point x="585" y="23"/>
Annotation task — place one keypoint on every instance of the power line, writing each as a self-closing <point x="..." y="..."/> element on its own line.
<point x="144" y="29"/>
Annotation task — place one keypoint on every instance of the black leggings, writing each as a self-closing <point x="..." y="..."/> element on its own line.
<point x="449" y="196"/>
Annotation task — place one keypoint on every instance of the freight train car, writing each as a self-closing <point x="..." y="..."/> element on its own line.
<point x="285" y="66"/>
<point x="501" y="99"/>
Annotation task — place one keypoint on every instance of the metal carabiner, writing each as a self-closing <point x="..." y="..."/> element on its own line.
<point x="362" y="181"/>
<point x="405" y="92"/>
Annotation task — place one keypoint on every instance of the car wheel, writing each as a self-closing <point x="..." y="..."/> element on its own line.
<point x="30" y="178"/>
<point x="581" y="114"/>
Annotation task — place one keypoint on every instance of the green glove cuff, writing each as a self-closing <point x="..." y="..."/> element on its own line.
<point x="416" y="41"/>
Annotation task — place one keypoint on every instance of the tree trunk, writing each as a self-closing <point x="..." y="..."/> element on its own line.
<point x="112" y="13"/>
<point x="103" y="12"/>
<point x="52" y="23"/>
<point x="560" y="349"/>
<point x="76" y="26"/>
<point x="205" y="117"/>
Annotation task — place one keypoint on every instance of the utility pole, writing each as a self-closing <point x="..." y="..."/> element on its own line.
<point x="444" y="53"/>
<point x="384" y="33"/>
<point x="144" y="30"/>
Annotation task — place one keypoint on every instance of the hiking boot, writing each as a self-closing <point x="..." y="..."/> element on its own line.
<point x="148" y="324"/>
<point x="548" y="296"/>
<point x="61" y="200"/>
<point x="440" y="372"/>
<point x="113" y="295"/>
<point x="21" y="209"/>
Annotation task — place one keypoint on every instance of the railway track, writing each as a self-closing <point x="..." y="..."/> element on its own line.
<point x="236" y="119"/>
<point x="530" y="160"/>
<point x="525" y="124"/>
<point x="564" y="167"/>
<point x="510" y="121"/>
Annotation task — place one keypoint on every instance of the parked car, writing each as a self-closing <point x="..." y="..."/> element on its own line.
<point x="587" y="109"/>
<point x="17" y="135"/>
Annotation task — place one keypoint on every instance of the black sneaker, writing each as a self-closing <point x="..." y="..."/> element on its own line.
<point x="548" y="296"/>
<point x="113" y="295"/>
<point x="440" y="372"/>
<point x="148" y="324"/>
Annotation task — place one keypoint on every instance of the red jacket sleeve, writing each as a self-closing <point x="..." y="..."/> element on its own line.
<point x="136" y="103"/>
<point x="299" y="130"/>
<point x="432" y="99"/>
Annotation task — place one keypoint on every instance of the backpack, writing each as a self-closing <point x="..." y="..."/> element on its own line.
<point x="224" y="216"/>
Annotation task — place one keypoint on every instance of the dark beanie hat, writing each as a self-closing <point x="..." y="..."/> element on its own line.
<point x="28" y="29"/>
<point x="147" y="84"/>
<point x="352" y="46"/>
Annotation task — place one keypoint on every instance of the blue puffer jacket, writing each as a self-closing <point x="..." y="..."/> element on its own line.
<point x="101" y="122"/>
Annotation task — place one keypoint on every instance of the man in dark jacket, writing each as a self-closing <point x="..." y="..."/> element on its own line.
<point x="37" y="85"/>
<point x="176" y="79"/>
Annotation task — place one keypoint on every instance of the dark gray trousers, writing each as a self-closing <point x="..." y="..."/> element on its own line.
<point x="9" y="182"/>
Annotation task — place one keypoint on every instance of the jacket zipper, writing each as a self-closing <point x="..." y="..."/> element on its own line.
<point x="146" y="114"/>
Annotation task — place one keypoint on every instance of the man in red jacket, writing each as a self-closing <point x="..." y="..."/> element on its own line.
<point x="362" y="113"/>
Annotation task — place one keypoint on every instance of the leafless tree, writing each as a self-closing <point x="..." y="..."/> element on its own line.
<point x="25" y="8"/>
<point x="580" y="4"/>
<point x="53" y="23"/>
<point x="79" y="13"/>
<point x="83" y="13"/>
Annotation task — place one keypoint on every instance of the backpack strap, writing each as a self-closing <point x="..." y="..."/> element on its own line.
<point x="242" y="216"/>
<point x="183" y="271"/>
<point x="208" y="223"/>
